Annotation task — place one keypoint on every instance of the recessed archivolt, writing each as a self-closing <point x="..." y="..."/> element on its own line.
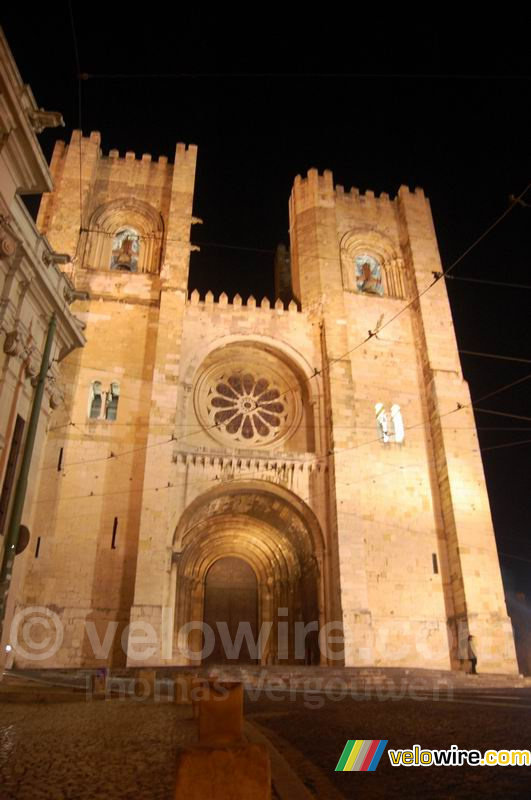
<point x="130" y="212"/>
<point x="271" y="555"/>
<point x="275" y="508"/>
<point x="274" y="532"/>
<point x="372" y="242"/>
<point x="275" y="348"/>
<point x="125" y="212"/>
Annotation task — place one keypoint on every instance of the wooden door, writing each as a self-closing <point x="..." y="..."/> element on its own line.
<point x="231" y="596"/>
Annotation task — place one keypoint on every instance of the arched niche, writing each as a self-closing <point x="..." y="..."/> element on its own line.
<point x="126" y="224"/>
<point x="367" y="255"/>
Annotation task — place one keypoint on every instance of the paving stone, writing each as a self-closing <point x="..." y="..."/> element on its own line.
<point x="87" y="751"/>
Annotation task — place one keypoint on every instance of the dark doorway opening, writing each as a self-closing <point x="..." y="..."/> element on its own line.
<point x="231" y="597"/>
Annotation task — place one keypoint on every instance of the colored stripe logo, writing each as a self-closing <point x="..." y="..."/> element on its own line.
<point x="361" y="755"/>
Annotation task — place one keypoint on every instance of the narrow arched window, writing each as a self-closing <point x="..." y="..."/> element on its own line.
<point x="125" y="250"/>
<point x="95" y="400"/>
<point x="111" y="409"/>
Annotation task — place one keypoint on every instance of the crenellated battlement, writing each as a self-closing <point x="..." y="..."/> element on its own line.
<point x="67" y="155"/>
<point x="209" y="303"/>
<point x="316" y="189"/>
<point x="146" y="158"/>
<point x="314" y="186"/>
<point x="368" y="198"/>
<point x="182" y="151"/>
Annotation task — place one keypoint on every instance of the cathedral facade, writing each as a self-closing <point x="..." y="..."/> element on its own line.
<point x="309" y="466"/>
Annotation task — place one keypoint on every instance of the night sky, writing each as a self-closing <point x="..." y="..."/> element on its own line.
<point x="381" y="102"/>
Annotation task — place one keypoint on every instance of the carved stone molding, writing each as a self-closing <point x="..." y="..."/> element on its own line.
<point x="68" y="294"/>
<point x="41" y="119"/>
<point x="8" y="244"/>
<point x="12" y="343"/>
<point x="32" y="369"/>
<point x="56" y="399"/>
<point x="8" y="240"/>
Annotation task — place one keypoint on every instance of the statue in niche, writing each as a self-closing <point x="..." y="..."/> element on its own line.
<point x="125" y="250"/>
<point x="368" y="275"/>
<point x="390" y="426"/>
<point x="382" y="423"/>
<point x="397" y="423"/>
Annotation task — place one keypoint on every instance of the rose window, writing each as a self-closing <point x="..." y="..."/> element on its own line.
<point x="247" y="406"/>
<point x="246" y="399"/>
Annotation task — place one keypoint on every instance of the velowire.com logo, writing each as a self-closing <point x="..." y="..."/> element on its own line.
<point x="361" y="755"/>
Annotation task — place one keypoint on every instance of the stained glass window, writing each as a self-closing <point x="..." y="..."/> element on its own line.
<point x="368" y="274"/>
<point x="125" y="250"/>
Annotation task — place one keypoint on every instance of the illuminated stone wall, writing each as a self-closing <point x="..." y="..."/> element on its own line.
<point x="401" y="507"/>
<point x="32" y="289"/>
<point x="248" y="430"/>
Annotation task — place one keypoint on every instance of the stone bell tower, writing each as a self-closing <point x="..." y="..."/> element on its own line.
<point x="126" y="223"/>
<point x="418" y="562"/>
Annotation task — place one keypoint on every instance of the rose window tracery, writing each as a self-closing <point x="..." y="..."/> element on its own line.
<point x="247" y="405"/>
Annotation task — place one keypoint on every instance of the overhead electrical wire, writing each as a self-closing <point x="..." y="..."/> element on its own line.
<point x="380" y="327"/>
<point x="492" y="355"/>
<point x="517" y="558"/>
<point x="79" y="110"/>
<point x="507" y="444"/>
<point x="489" y="282"/>
<point x="299" y="76"/>
<point x="330" y="362"/>
<point x="337" y="451"/>
<point x="372" y="334"/>
<point x="514" y="200"/>
<point x="245" y="476"/>
<point x="502" y="414"/>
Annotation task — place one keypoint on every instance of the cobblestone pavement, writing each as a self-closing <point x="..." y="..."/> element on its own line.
<point x="91" y="750"/>
<point x="317" y="736"/>
<point x="126" y="750"/>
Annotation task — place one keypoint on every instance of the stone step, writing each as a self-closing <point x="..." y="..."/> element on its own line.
<point x="296" y="677"/>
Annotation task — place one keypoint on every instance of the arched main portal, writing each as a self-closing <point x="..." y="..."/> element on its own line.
<point x="277" y="537"/>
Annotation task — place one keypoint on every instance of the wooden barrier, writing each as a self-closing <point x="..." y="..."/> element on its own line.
<point x="147" y="678"/>
<point x="182" y="688"/>
<point x="220" y="712"/>
<point x="234" y="772"/>
<point x="98" y="682"/>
